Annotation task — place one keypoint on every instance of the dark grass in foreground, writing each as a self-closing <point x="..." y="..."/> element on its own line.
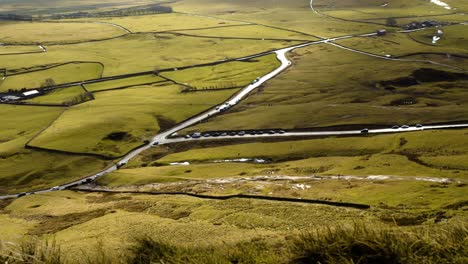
<point x="357" y="244"/>
<point x="445" y="243"/>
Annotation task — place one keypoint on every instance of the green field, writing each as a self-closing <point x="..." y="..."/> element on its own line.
<point x="226" y="75"/>
<point x="249" y="31"/>
<point x="18" y="49"/>
<point x="145" y="110"/>
<point x="303" y="96"/>
<point x="64" y="96"/>
<point x="404" y="155"/>
<point x="126" y="82"/>
<point x="166" y="22"/>
<point x="67" y="73"/>
<point x="22" y="169"/>
<point x="34" y="32"/>
<point x="144" y="52"/>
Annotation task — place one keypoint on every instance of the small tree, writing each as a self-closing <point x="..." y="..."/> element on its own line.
<point x="391" y="21"/>
<point x="49" y="82"/>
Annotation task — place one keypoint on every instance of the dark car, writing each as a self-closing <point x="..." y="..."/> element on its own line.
<point x="419" y="126"/>
<point x="241" y="133"/>
<point x="405" y="127"/>
<point x="121" y="164"/>
<point x="395" y="127"/>
<point x="155" y="143"/>
<point x="20" y="195"/>
<point x="365" y="131"/>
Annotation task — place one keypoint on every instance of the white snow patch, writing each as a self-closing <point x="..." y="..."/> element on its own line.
<point x="377" y="177"/>
<point x="439" y="180"/>
<point x="241" y="160"/>
<point x="301" y="186"/>
<point x="442" y="4"/>
<point x="186" y="163"/>
<point x="435" y="39"/>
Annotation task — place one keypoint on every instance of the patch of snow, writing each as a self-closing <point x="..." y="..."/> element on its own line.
<point x="439" y="180"/>
<point x="435" y="39"/>
<point x="301" y="186"/>
<point x="241" y="160"/>
<point x="377" y="177"/>
<point x="186" y="163"/>
<point x="442" y="4"/>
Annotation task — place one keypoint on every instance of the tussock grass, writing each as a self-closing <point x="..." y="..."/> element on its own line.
<point x="31" y="251"/>
<point x="366" y="244"/>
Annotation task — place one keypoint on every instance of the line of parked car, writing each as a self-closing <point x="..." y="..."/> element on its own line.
<point x="366" y="130"/>
<point x="235" y="133"/>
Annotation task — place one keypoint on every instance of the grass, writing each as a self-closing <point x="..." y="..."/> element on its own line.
<point x="132" y="81"/>
<point x="296" y="100"/>
<point x="226" y="75"/>
<point x="371" y="9"/>
<point x="401" y="44"/>
<point x="50" y="6"/>
<point x="454" y="37"/>
<point x="166" y="22"/>
<point x="61" y="74"/>
<point x="144" y="52"/>
<point x="59" y="96"/>
<point x="250" y="31"/>
<point x="33" y="32"/>
<point x="430" y="153"/>
<point x="219" y="231"/>
<point x="22" y="169"/>
<point x="18" y="49"/>
<point x="146" y="110"/>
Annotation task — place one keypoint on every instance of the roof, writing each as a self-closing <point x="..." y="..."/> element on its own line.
<point x="32" y="92"/>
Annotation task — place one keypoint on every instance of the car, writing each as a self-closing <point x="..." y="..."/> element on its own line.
<point x="241" y="133"/>
<point x="271" y="132"/>
<point x="224" y="134"/>
<point x="255" y="81"/>
<point x="187" y="136"/>
<point x="251" y="132"/>
<point x="365" y="131"/>
<point x="419" y="126"/>
<point x="405" y="126"/>
<point x="56" y="188"/>
<point x="206" y="135"/>
<point x="121" y="164"/>
<point x="281" y="131"/>
<point x="232" y="133"/>
<point x="196" y="135"/>
<point x="395" y="127"/>
<point x="155" y="143"/>
<point x="20" y="195"/>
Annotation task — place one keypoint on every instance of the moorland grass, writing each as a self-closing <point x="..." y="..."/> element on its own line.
<point x="59" y="96"/>
<point x="226" y="75"/>
<point x="303" y="97"/>
<point x="144" y="52"/>
<point x="62" y="74"/>
<point x="166" y="22"/>
<point x="140" y="112"/>
<point x="126" y="82"/>
<point x="51" y="32"/>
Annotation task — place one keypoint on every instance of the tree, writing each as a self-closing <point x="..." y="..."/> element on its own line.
<point x="391" y="21"/>
<point x="49" y="82"/>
